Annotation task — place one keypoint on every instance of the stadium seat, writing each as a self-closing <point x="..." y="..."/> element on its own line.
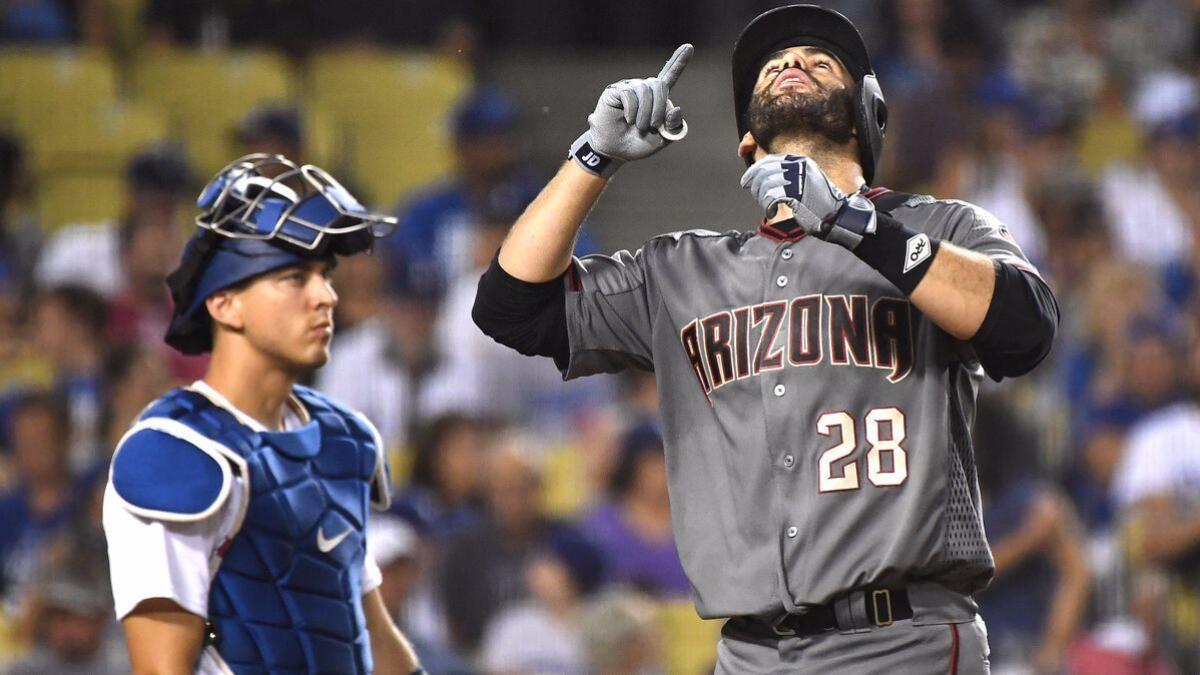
<point x="38" y="80"/>
<point x="79" y="197"/>
<point x="389" y="115"/>
<point x="80" y="166"/>
<point x="565" y="490"/>
<point x="689" y="643"/>
<point x="205" y="95"/>
<point x="98" y="139"/>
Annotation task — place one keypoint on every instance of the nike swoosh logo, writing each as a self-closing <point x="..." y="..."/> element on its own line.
<point x="325" y="544"/>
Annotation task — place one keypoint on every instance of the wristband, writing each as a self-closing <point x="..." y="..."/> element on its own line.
<point x="592" y="161"/>
<point x="902" y="255"/>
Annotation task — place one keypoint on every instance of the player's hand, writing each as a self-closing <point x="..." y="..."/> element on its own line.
<point x="633" y="119"/>
<point x="798" y="183"/>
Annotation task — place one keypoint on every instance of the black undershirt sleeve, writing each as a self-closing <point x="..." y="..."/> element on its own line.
<point x="528" y="317"/>
<point x="1019" y="326"/>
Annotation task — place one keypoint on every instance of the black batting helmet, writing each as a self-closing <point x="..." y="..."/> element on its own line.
<point x="794" y="25"/>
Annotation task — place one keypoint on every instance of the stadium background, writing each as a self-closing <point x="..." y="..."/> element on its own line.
<point x="1075" y="121"/>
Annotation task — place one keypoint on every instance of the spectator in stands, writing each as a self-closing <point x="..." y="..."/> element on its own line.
<point x="1056" y="51"/>
<point x="1149" y="374"/>
<point x="157" y="183"/>
<point x="45" y="498"/>
<point x="560" y="578"/>
<point x="1164" y="191"/>
<point x="73" y="628"/>
<point x="365" y="345"/>
<point x="274" y="129"/>
<point x="506" y="385"/>
<point x="920" y="62"/>
<point x="620" y="634"/>
<point x="18" y="239"/>
<point x="1157" y="489"/>
<point x="397" y="549"/>
<point x="1067" y="205"/>
<point x="1022" y="148"/>
<point x="443" y="496"/>
<point x="1036" y="600"/>
<point x="1095" y="359"/>
<point x="633" y="525"/>
<point x="69" y="329"/>
<point x="483" y="568"/>
<point x="435" y="242"/>
<point x="127" y="261"/>
<point x="38" y="21"/>
<point x="134" y="375"/>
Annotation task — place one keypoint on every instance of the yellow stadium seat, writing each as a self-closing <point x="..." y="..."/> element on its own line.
<point x="34" y="81"/>
<point x="79" y="197"/>
<point x="565" y="490"/>
<point x="80" y="164"/>
<point x="388" y="115"/>
<point x="205" y="95"/>
<point x="98" y="139"/>
<point x="689" y="643"/>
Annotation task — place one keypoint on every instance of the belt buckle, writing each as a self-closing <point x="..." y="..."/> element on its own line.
<point x="778" y="629"/>
<point x="887" y="602"/>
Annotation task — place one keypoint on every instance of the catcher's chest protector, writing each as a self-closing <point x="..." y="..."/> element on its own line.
<point x="286" y="596"/>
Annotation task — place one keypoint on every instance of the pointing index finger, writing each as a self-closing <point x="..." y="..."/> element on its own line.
<point x="675" y="65"/>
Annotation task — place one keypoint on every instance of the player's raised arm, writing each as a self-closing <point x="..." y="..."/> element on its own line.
<point x="633" y="119"/>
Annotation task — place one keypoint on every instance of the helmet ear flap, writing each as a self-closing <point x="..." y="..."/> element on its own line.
<point x="871" y="116"/>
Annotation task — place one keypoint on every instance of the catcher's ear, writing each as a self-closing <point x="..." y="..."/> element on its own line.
<point x="748" y="147"/>
<point x="226" y="309"/>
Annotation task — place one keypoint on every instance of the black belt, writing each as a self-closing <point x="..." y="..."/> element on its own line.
<point x="883" y="607"/>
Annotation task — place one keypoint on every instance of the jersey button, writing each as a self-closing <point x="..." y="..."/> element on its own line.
<point x="781" y="281"/>
<point x="787" y="254"/>
<point x="792" y="532"/>
<point x="788" y="461"/>
<point x="780" y="390"/>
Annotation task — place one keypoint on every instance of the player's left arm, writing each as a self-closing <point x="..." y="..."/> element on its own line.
<point x="390" y="650"/>
<point x="957" y="290"/>
<point x="971" y="280"/>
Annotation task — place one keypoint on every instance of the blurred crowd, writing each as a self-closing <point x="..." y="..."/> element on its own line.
<point x="531" y="530"/>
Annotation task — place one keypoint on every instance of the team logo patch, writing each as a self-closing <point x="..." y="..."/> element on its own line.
<point x="916" y="251"/>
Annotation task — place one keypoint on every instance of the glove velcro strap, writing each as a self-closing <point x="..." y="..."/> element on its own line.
<point x="902" y="255"/>
<point x="592" y="161"/>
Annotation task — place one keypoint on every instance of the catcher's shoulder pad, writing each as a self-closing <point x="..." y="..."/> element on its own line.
<point x="165" y="470"/>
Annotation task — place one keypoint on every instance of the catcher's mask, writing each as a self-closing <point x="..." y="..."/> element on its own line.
<point x="258" y="214"/>
<point x="796" y="25"/>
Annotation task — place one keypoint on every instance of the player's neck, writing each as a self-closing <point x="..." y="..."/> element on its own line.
<point x="252" y="383"/>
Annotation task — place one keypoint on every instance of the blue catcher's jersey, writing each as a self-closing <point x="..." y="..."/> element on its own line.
<point x="286" y="593"/>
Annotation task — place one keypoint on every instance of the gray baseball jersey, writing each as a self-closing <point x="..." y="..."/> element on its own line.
<point x="817" y="425"/>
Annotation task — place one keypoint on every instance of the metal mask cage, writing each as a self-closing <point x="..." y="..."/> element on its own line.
<point x="253" y="198"/>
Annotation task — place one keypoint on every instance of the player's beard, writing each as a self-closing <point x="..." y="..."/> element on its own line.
<point x="814" y="115"/>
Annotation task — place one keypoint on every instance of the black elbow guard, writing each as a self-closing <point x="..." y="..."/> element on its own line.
<point x="530" y="318"/>
<point x="1020" y="324"/>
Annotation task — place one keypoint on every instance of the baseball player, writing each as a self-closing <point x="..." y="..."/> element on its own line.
<point x="236" y="507"/>
<point x="816" y="374"/>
